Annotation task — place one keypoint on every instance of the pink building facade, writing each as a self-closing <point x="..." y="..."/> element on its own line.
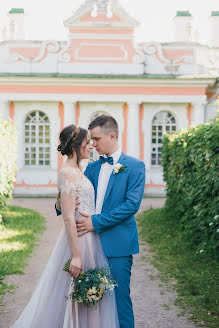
<point x="150" y="88"/>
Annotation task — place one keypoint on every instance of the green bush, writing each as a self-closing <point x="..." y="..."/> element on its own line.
<point x="8" y="142"/>
<point x="191" y="169"/>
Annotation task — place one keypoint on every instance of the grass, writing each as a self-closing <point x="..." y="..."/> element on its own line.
<point x="19" y="230"/>
<point x="195" y="276"/>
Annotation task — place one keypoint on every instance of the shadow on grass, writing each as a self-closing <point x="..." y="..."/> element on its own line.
<point x="19" y="233"/>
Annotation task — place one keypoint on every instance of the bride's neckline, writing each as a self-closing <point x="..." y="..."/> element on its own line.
<point x="76" y="169"/>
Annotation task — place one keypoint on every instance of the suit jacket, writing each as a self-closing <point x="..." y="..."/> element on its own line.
<point x="116" y="224"/>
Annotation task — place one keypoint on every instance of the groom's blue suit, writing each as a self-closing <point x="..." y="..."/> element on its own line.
<point x="117" y="226"/>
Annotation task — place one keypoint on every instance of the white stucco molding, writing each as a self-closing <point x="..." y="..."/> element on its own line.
<point x="92" y="36"/>
<point x="64" y="56"/>
<point x="103" y="67"/>
<point x="87" y="6"/>
<point x="155" y="81"/>
<point x="152" y="48"/>
<point x="49" y="46"/>
<point x="139" y="57"/>
<point x="106" y="98"/>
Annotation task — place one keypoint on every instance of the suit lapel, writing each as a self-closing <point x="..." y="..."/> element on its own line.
<point x="113" y="178"/>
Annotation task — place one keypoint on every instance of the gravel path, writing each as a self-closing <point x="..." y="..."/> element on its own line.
<point x="153" y="302"/>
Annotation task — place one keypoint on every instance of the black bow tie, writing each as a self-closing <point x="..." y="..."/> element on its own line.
<point x="106" y="159"/>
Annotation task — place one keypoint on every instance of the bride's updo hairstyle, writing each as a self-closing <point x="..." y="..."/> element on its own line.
<point x="71" y="138"/>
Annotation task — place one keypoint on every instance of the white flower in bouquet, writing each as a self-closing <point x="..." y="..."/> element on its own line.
<point x="91" y="285"/>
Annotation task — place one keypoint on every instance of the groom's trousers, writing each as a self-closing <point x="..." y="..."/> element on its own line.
<point x="121" y="272"/>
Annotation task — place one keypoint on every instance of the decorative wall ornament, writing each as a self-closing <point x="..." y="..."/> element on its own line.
<point x="109" y="7"/>
<point x="104" y="6"/>
<point x="64" y="56"/>
<point x="212" y="63"/>
<point x="151" y="54"/>
<point x="172" y="69"/>
<point x="46" y="46"/>
<point x="139" y="57"/>
<point x="156" y="48"/>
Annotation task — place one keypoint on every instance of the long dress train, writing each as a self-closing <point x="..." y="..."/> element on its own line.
<point x="48" y="306"/>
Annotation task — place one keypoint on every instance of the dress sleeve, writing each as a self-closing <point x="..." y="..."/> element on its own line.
<point x="68" y="183"/>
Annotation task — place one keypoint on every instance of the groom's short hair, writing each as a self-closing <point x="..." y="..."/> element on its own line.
<point x="106" y="122"/>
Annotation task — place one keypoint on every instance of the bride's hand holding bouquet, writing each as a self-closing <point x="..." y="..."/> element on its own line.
<point x="90" y="286"/>
<point x="75" y="266"/>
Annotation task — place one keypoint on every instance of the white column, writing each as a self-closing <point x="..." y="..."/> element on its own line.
<point x="69" y="113"/>
<point x="133" y="144"/>
<point x="4" y="109"/>
<point x="198" y="113"/>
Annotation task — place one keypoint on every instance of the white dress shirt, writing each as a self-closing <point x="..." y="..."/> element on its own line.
<point x="104" y="176"/>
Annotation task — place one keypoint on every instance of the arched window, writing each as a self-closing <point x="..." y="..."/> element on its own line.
<point x="163" y="122"/>
<point x="37" y="140"/>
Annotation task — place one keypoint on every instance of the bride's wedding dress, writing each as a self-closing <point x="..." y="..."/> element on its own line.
<point x="48" y="306"/>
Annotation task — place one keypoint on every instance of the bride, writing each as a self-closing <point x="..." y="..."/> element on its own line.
<point x="49" y="307"/>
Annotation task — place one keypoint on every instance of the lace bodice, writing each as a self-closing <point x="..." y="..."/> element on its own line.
<point x="77" y="184"/>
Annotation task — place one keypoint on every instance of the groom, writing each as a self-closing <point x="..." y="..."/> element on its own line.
<point x="118" y="182"/>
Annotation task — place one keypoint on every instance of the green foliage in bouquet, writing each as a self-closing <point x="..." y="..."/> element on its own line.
<point x="191" y="170"/>
<point x="8" y="142"/>
<point x="91" y="285"/>
<point x="66" y="266"/>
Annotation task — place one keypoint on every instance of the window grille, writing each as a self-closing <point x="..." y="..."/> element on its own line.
<point x="163" y="122"/>
<point x="37" y="140"/>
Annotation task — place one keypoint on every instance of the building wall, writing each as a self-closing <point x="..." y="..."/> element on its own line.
<point x="155" y="184"/>
<point x="37" y="180"/>
<point x="100" y="69"/>
<point x="212" y="110"/>
<point x="89" y="109"/>
<point x="43" y="181"/>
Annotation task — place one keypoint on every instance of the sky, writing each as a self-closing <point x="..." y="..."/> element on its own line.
<point x="44" y="18"/>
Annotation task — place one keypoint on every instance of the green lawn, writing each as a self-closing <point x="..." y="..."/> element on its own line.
<point x="195" y="275"/>
<point x="19" y="232"/>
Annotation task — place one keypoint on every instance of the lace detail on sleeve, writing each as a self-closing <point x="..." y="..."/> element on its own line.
<point x="68" y="183"/>
<point x="68" y="187"/>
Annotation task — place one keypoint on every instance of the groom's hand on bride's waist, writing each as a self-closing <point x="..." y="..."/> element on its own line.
<point x="84" y="226"/>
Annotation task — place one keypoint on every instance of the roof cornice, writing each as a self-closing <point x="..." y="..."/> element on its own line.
<point x="107" y="80"/>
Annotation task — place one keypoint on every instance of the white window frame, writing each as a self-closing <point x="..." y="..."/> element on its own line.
<point x="162" y="123"/>
<point x="38" y="126"/>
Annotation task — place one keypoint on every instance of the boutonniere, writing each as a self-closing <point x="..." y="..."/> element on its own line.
<point x="119" y="168"/>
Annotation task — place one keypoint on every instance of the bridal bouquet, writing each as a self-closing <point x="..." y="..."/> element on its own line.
<point x="91" y="285"/>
